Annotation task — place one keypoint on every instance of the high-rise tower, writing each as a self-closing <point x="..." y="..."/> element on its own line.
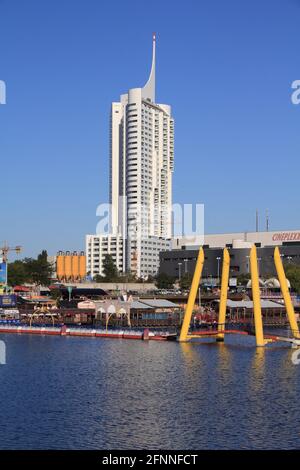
<point x="141" y="167"/>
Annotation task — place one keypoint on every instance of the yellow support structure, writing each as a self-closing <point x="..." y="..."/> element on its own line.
<point x="256" y="298"/>
<point x="285" y="293"/>
<point x="223" y="295"/>
<point x="192" y="297"/>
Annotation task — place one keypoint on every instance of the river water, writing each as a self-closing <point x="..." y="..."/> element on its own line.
<point x="90" y="393"/>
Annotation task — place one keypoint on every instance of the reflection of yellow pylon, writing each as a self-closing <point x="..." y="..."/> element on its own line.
<point x="286" y="294"/>
<point x="223" y="294"/>
<point x="192" y="297"/>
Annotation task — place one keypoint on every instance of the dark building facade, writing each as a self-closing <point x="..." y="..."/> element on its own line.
<point x="178" y="262"/>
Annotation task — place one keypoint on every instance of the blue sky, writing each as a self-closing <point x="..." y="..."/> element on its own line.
<point x="225" y="67"/>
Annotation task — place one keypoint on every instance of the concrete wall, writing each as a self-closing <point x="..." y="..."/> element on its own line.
<point x="122" y="286"/>
<point x="221" y="240"/>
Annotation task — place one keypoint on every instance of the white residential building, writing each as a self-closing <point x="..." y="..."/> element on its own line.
<point x="141" y="161"/>
<point x="140" y="183"/>
<point x="97" y="247"/>
<point x="141" y="167"/>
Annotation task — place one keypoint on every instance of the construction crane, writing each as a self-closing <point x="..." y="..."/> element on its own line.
<point x="4" y="250"/>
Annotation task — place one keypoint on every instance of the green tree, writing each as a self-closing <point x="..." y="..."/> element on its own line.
<point x="16" y="273"/>
<point x="292" y="272"/>
<point x="110" y="271"/>
<point x="36" y="271"/>
<point x="242" y="279"/>
<point x="55" y="294"/>
<point x="98" y="278"/>
<point x="39" y="271"/>
<point x="185" y="281"/>
<point x="164" y="281"/>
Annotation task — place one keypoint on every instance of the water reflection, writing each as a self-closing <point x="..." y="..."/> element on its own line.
<point x="96" y="394"/>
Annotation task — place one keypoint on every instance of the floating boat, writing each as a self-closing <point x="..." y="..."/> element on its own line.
<point x="88" y="332"/>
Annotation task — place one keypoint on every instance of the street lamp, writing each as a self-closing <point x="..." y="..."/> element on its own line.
<point x="259" y="260"/>
<point x="248" y="263"/>
<point x="179" y="270"/>
<point x="218" y="260"/>
<point x="185" y="265"/>
<point x="205" y="275"/>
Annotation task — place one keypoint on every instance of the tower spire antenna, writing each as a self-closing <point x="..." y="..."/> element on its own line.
<point x="256" y="220"/>
<point x="148" y="91"/>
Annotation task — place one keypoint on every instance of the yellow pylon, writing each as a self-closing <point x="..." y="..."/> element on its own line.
<point x="285" y="293"/>
<point x="256" y="298"/>
<point x="223" y="294"/>
<point x="192" y="296"/>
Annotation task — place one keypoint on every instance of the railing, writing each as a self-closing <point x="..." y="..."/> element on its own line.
<point x="286" y="333"/>
<point x="282" y="330"/>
